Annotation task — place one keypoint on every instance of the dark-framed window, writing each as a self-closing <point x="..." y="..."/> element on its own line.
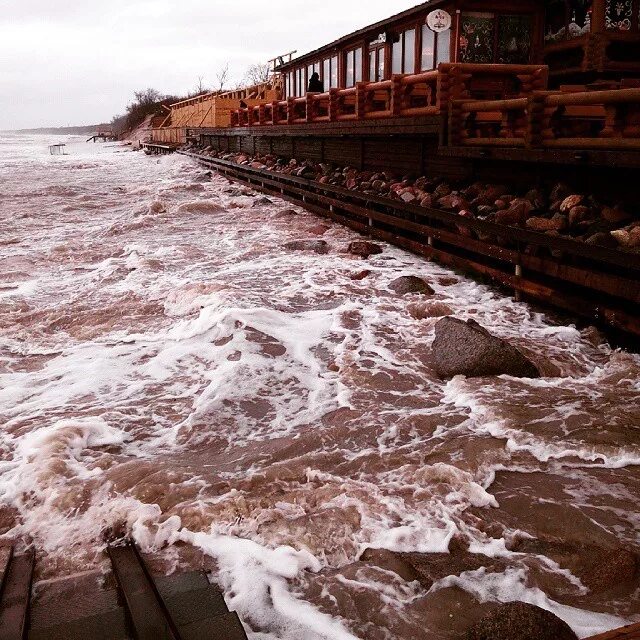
<point x="435" y="48"/>
<point x="377" y="66"/>
<point x="403" y="52"/>
<point x="487" y="37"/>
<point x="330" y="72"/>
<point x="353" y="67"/>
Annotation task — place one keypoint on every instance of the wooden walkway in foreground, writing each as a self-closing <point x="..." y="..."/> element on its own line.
<point x="145" y="607"/>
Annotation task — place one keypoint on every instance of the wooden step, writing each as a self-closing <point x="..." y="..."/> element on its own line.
<point x="148" y="616"/>
<point x="14" y="600"/>
<point x="225" y="627"/>
<point x="110" y="625"/>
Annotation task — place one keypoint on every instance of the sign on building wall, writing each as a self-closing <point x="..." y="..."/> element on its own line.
<point x="439" y="21"/>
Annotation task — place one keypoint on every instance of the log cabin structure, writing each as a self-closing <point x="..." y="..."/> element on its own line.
<point x="210" y="110"/>
<point x="487" y="90"/>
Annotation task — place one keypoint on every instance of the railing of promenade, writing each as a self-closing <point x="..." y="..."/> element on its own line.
<point x="607" y="119"/>
<point x="421" y="94"/>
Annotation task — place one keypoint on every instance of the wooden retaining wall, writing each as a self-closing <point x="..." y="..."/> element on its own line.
<point x="600" y="284"/>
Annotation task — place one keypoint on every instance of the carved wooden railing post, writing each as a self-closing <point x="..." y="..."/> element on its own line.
<point x="397" y="95"/>
<point x="333" y="105"/>
<point x="291" y="110"/>
<point x="310" y="105"/>
<point x="262" y="113"/>
<point x="251" y="118"/>
<point x="456" y="123"/>
<point x="361" y="99"/>
<point x="535" y="120"/>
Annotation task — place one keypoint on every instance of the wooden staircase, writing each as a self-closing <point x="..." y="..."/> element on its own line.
<point x="137" y="606"/>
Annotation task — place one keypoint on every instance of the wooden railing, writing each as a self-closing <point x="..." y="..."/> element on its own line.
<point x="421" y="94"/>
<point x="576" y="120"/>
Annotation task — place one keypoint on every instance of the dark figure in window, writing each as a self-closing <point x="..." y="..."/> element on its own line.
<point x="315" y="86"/>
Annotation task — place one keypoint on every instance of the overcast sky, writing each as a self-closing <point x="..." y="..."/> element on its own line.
<point x="75" y="62"/>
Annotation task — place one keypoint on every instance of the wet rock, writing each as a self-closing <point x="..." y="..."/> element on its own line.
<point x="570" y="202"/>
<point x="364" y="249"/>
<point x="578" y="214"/>
<point x="157" y="207"/>
<point x="602" y="239"/>
<point x="410" y="284"/>
<point x="537" y="198"/>
<point x="489" y="195"/>
<point x="408" y="197"/>
<point x="317" y="246"/>
<point x="286" y="213"/>
<point x="557" y="223"/>
<point x="627" y="238"/>
<point x="442" y="190"/>
<point x="599" y="569"/>
<point x="517" y="213"/>
<point x="261" y="202"/>
<point x="615" y="215"/>
<point x="467" y="348"/>
<point x="520" y="621"/>
<point x="560" y="192"/>
<point x="202" y="206"/>
<point x="361" y="275"/>
<point x="425" y="310"/>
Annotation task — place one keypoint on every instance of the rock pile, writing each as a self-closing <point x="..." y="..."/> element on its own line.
<point x="555" y="211"/>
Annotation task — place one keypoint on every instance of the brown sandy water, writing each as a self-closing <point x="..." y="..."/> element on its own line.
<point x="169" y="371"/>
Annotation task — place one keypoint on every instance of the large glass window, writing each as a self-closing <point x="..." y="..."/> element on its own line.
<point x="349" y="79"/>
<point x="567" y="19"/>
<point x="376" y="64"/>
<point x="290" y="89"/>
<point x="477" y="37"/>
<point x="300" y="82"/>
<point x="403" y="53"/>
<point x="428" y="57"/>
<point x="443" y="47"/>
<point x="619" y="15"/>
<point x="396" y="56"/>
<point x="330" y="73"/>
<point x="436" y="48"/>
<point x="514" y="39"/>
<point x="353" y="67"/>
<point x="409" y="51"/>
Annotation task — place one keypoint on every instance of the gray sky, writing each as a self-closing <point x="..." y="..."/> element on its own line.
<point x="73" y="62"/>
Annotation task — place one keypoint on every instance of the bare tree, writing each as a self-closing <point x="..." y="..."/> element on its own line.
<point x="200" y="88"/>
<point x="257" y="74"/>
<point x="147" y="97"/>
<point x="222" y="78"/>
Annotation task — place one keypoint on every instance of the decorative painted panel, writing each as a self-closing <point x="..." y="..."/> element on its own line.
<point x="619" y="14"/>
<point x="476" y="37"/>
<point x="514" y="39"/>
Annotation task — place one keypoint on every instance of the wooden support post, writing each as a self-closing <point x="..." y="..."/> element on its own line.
<point x="291" y="110"/>
<point x="397" y="95"/>
<point x="333" y="105"/>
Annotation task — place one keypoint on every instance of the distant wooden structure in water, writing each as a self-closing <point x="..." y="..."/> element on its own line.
<point x="103" y="136"/>
<point x="58" y="150"/>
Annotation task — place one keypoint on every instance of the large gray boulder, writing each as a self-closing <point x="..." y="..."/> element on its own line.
<point x="466" y="348"/>
<point x="520" y="621"/>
